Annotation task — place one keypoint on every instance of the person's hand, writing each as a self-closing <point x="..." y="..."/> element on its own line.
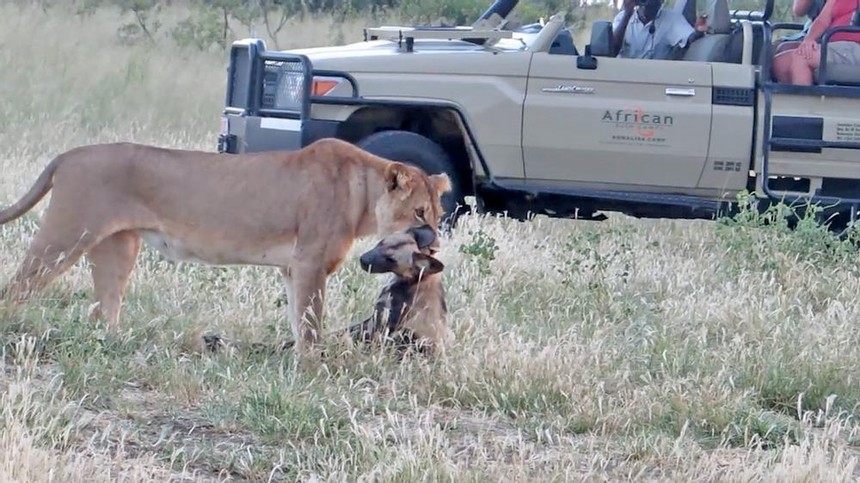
<point x="628" y="6"/>
<point x="702" y="23"/>
<point x="807" y="48"/>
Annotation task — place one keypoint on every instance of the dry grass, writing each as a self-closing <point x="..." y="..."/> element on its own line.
<point x="646" y="350"/>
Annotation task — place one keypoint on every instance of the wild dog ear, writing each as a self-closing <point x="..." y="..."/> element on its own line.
<point x="427" y="264"/>
<point x="397" y="177"/>
<point x="424" y="235"/>
<point x="441" y="182"/>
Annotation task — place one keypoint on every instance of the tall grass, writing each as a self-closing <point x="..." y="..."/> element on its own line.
<point x="647" y="350"/>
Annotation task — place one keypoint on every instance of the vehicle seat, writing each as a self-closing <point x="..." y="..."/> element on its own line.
<point x="562" y="44"/>
<point x="840" y="74"/>
<point x="714" y="46"/>
<point x="736" y="44"/>
<point x="601" y="38"/>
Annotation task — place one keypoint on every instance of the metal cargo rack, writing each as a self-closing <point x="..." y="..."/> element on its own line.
<point x="409" y="34"/>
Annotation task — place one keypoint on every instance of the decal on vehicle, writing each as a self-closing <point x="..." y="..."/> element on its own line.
<point x="848" y="131"/>
<point x="570" y="89"/>
<point x="727" y="166"/>
<point x="633" y="125"/>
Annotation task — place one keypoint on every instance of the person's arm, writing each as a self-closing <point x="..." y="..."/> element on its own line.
<point x="681" y="33"/>
<point x="821" y="23"/>
<point x="619" y="26"/>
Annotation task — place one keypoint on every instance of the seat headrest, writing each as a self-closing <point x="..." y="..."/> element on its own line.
<point x="601" y="38"/>
<point x="719" y="18"/>
<point x="687" y="9"/>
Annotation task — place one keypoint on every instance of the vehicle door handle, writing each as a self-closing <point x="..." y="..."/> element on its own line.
<point x="678" y="91"/>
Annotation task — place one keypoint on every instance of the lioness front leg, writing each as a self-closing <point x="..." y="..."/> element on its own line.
<point x="306" y="302"/>
<point x="112" y="262"/>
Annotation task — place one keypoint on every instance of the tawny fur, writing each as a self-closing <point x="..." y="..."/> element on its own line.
<point x="300" y="211"/>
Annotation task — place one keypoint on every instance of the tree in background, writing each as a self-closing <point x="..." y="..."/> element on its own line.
<point x="214" y="23"/>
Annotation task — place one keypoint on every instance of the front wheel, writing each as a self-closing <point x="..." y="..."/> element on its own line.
<point x="417" y="150"/>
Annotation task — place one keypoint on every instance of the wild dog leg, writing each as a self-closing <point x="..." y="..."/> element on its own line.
<point x="113" y="260"/>
<point x="364" y="330"/>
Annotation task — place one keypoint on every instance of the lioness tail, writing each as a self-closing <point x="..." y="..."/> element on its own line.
<point x="39" y="189"/>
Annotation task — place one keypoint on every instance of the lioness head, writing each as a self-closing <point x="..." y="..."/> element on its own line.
<point x="406" y="254"/>
<point x="411" y="198"/>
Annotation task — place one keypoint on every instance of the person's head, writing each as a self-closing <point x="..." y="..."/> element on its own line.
<point x="648" y="9"/>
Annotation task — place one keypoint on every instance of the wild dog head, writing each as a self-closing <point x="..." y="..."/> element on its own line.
<point x="412" y="198"/>
<point x="407" y="254"/>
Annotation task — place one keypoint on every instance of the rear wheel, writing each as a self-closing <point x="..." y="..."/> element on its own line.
<point x="417" y="150"/>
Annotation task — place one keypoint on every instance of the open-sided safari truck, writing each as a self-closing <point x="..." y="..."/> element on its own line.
<point x="526" y="121"/>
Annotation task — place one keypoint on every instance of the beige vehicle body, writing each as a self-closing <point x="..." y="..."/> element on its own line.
<point x="527" y="122"/>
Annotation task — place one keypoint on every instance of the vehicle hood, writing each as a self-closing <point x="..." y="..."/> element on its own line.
<point x="429" y="56"/>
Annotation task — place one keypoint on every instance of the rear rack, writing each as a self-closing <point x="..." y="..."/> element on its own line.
<point x="409" y="34"/>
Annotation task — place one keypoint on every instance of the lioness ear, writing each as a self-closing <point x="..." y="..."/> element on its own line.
<point x="427" y="264"/>
<point x="441" y="182"/>
<point x="397" y="177"/>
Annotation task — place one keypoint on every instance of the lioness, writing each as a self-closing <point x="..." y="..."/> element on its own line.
<point x="300" y="211"/>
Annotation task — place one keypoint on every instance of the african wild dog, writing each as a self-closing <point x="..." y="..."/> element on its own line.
<point x="411" y="310"/>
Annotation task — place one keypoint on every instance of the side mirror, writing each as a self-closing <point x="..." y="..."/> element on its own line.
<point x="586" y="60"/>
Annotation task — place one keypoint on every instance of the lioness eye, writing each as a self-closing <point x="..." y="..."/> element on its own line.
<point x="419" y="213"/>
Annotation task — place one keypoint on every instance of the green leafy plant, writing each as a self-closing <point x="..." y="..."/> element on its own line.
<point x="482" y="248"/>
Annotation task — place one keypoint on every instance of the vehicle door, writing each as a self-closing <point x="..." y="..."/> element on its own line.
<point x="627" y="121"/>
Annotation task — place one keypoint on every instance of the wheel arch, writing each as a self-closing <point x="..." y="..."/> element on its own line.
<point x="443" y="122"/>
<point x="439" y="124"/>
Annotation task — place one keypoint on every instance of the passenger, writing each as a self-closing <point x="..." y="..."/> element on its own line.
<point x="799" y="65"/>
<point x="800" y="8"/>
<point x="653" y="33"/>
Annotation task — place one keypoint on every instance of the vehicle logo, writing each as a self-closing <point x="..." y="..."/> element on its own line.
<point x="633" y="124"/>
<point x="570" y="89"/>
<point x="643" y="123"/>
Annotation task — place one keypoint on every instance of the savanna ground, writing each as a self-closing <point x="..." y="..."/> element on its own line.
<point x="645" y="350"/>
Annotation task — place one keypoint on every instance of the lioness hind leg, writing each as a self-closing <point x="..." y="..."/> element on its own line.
<point x="112" y="262"/>
<point x="47" y="257"/>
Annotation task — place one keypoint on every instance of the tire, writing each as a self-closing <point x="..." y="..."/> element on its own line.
<point x="417" y="150"/>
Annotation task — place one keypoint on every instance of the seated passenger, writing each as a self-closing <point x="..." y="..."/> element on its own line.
<point x="798" y="66"/>
<point x="652" y="33"/>
<point x="800" y="8"/>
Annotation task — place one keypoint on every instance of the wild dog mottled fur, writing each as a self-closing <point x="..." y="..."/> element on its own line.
<point x="411" y="310"/>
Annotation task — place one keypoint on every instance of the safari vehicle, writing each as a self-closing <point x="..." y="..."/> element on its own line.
<point x="527" y="122"/>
